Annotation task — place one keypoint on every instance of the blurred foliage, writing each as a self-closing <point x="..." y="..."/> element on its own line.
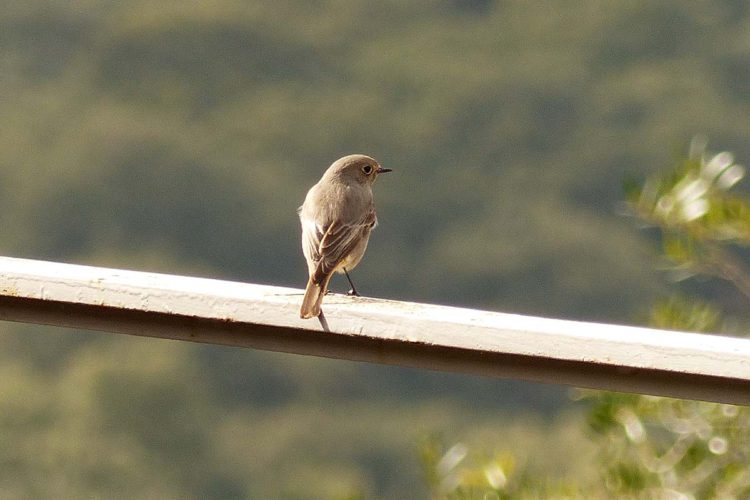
<point x="649" y="447"/>
<point x="654" y="447"/>
<point x="456" y="475"/>
<point x="658" y="447"/>
<point x="181" y="136"/>
<point x="700" y="221"/>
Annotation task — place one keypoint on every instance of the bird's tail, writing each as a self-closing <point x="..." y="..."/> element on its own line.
<point x="314" y="294"/>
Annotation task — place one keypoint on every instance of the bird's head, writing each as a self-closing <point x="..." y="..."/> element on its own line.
<point x="357" y="168"/>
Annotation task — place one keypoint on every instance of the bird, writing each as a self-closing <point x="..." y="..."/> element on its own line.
<point x="337" y="217"/>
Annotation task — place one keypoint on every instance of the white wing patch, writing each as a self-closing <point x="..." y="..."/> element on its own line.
<point x="312" y="233"/>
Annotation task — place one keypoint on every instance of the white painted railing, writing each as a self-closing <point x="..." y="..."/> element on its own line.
<point x="620" y="358"/>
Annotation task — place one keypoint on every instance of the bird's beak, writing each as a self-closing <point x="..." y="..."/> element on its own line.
<point x="382" y="170"/>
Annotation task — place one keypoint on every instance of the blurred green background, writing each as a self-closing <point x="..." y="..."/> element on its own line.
<point x="180" y="137"/>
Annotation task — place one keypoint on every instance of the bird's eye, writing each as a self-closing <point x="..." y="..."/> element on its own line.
<point x="367" y="169"/>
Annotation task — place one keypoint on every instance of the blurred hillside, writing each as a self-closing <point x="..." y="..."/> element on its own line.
<point x="181" y="136"/>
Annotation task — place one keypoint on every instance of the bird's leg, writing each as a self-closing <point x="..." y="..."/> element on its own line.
<point x="353" y="291"/>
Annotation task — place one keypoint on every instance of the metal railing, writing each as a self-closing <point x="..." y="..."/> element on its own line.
<point x="602" y="356"/>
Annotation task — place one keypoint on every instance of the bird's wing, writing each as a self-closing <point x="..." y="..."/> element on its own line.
<point x="312" y="234"/>
<point x="338" y="241"/>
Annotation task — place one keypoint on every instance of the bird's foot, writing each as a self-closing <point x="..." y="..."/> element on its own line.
<point x="353" y="291"/>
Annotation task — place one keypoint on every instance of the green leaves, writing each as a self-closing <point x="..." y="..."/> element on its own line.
<point x="701" y="223"/>
<point x="693" y="198"/>
<point x="654" y="447"/>
<point x="682" y="313"/>
<point x="657" y="447"/>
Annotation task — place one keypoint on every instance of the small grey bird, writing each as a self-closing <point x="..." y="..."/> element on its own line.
<point x="337" y="217"/>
